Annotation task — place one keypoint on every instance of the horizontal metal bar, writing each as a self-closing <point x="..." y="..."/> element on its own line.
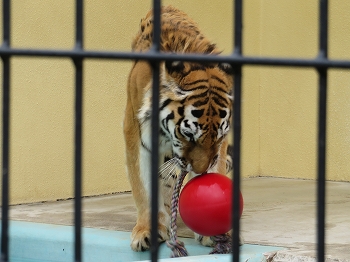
<point x="317" y="62"/>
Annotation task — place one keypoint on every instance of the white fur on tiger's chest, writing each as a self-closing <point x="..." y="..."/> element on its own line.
<point x="165" y="147"/>
<point x="144" y="116"/>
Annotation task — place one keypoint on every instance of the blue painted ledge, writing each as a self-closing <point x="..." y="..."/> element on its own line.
<point x="45" y="242"/>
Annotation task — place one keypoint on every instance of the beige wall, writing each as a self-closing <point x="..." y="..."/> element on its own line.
<point x="288" y="97"/>
<point x="279" y="105"/>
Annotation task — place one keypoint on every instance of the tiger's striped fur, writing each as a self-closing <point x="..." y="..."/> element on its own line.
<point x="195" y="112"/>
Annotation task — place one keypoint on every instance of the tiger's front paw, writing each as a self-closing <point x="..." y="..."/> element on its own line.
<point x="204" y="241"/>
<point x="209" y="241"/>
<point x="141" y="237"/>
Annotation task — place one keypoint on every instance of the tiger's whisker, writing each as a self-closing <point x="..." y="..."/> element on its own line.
<point x="171" y="174"/>
<point x="167" y="165"/>
<point x="167" y="170"/>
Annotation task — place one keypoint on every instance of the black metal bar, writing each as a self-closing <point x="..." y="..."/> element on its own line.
<point x="236" y="162"/>
<point x="6" y="13"/>
<point x="154" y="163"/>
<point x="79" y="25"/>
<point x="5" y="133"/>
<point x="152" y="56"/>
<point x="321" y="63"/>
<point x="321" y="184"/>
<point x="323" y="29"/>
<point x="155" y="132"/>
<point x="78" y="160"/>
<point x="156" y="25"/>
<point x="78" y="63"/>
<point x="5" y="159"/>
<point x="322" y="126"/>
<point x="238" y="27"/>
<point x="237" y="130"/>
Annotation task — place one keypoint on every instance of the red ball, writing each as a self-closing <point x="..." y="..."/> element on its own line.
<point x="205" y="204"/>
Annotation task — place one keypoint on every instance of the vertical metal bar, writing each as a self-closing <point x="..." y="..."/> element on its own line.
<point x="236" y="162"/>
<point x="155" y="132"/>
<point x="238" y="27"/>
<point x="323" y="29"/>
<point x="321" y="183"/>
<point x="78" y="133"/>
<point x="79" y="24"/>
<point x="5" y="134"/>
<point x="238" y="9"/>
<point x="78" y="159"/>
<point x="154" y="164"/>
<point x="6" y="22"/>
<point x="5" y="159"/>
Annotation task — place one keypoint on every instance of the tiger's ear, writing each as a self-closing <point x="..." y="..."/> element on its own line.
<point x="174" y="66"/>
<point x="226" y="67"/>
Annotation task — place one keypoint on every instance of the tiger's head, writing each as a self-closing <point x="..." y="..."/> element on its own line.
<point x="200" y="100"/>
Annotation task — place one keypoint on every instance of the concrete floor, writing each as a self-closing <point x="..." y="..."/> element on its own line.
<point x="278" y="212"/>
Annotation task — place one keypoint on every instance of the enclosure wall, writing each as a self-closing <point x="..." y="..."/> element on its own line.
<point x="279" y="105"/>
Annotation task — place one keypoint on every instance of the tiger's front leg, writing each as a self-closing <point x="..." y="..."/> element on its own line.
<point x="223" y="165"/>
<point x="138" y="165"/>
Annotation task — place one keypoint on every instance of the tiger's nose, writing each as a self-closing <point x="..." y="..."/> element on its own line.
<point x="200" y="161"/>
<point x="200" y="168"/>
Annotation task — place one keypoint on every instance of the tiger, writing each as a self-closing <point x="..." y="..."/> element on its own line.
<point x="194" y="117"/>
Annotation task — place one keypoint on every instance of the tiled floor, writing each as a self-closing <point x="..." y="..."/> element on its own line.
<point x="277" y="212"/>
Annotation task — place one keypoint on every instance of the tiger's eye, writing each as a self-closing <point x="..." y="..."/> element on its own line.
<point x="198" y="113"/>
<point x="222" y="113"/>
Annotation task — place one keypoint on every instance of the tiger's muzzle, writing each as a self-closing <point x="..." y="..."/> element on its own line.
<point x="200" y="158"/>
